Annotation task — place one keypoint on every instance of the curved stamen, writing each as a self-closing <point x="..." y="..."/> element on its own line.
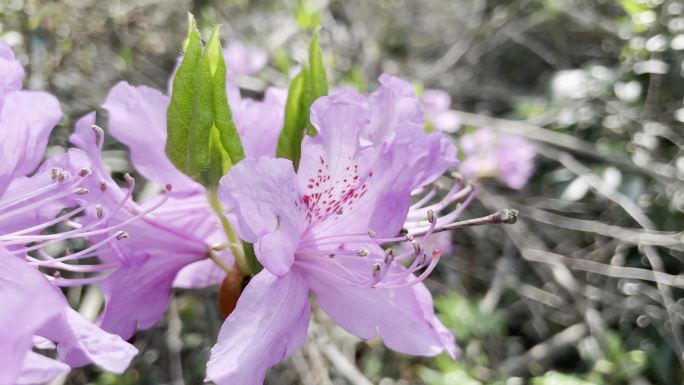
<point x="34" y="205"/>
<point x="85" y="253"/>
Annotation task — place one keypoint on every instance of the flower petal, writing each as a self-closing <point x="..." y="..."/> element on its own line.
<point x="137" y="294"/>
<point x="26" y="120"/>
<point x="137" y="118"/>
<point x="28" y="301"/>
<point x="269" y="324"/>
<point x="80" y="342"/>
<point x="394" y="103"/>
<point x="39" y="369"/>
<point x="404" y="317"/>
<point x="11" y="71"/>
<point x="242" y="59"/>
<point x="266" y="209"/>
<point x="260" y="122"/>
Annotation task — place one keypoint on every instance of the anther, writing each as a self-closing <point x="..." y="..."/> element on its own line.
<point x="416" y="247"/>
<point x="99" y="133"/>
<point x="99" y="211"/>
<point x="389" y="255"/>
<point x="61" y="175"/>
<point x="436" y="253"/>
<point x="362" y="253"/>
<point x="376" y="269"/>
<point x="168" y="187"/>
<point x="84" y="172"/>
<point x="371" y="233"/>
<point x="422" y="260"/>
<point x="55" y="173"/>
<point x="431" y="216"/>
<point x="57" y="274"/>
<point x="408" y="237"/>
<point x="103" y="186"/>
<point x="129" y="179"/>
<point x="331" y="255"/>
<point x="121" y="235"/>
<point x="81" y="191"/>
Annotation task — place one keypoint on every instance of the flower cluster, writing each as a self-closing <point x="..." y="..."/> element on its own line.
<point x="359" y="220"/>
<point x="507" y="157"/>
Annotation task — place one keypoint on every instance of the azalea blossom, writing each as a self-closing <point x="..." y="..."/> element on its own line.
<point x="179" y="229"/>
<point x="437" y="105"/>
<point x="328" y="228"/>
<point x="243" y="59"/>
<point x="35" y="312"/>
<point x="507" y="157"/>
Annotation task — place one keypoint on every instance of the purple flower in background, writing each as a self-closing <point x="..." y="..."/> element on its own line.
<point x="437" y="105"/>
<point x="322" y="229"/>
<point x="507" y="157"/>
<point x="35" y="312"/>
<point x="242" y="59"/>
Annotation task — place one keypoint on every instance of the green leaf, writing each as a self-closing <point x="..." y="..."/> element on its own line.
<point x="319" y="79"/>
<point x="223" y="117"/>
<point x="296" y="118"/>
<point x="310" y="84"/>
<point x="203" y="141"/>
<point x="181" y="110"/>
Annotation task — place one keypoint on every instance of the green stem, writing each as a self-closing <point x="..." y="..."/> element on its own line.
<point x="233" y="240"/>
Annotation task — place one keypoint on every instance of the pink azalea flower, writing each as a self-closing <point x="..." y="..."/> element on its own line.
<point x="322" y="230"/>
<point x="242" y="59"/>
<point x="437" y="105"/>
<point x="175" y="230"/>
<point x="509" y="158"/>
<point x="34" y="308"/>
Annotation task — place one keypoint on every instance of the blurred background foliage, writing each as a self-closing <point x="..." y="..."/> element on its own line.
<point x="585" y="289"/>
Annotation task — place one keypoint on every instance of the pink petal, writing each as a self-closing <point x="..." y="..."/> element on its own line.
<point x="266" y="210"/>
<point x="28" y="301"/>
<point x="137" y="294"/>
<point x="260" y="122"/>
<point x="394" y="103"/>
<point x="39" y="369"/>
<point x="404" y="317"/>
<point x="242" y="59"/>
<point x="11" y="72"/>
<point x="268" y="325"/>
<point x="137" y="118"/>
<point x="80" y="342"/>
<point x="200" y="274"/>
<point x="26" y="120"/>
